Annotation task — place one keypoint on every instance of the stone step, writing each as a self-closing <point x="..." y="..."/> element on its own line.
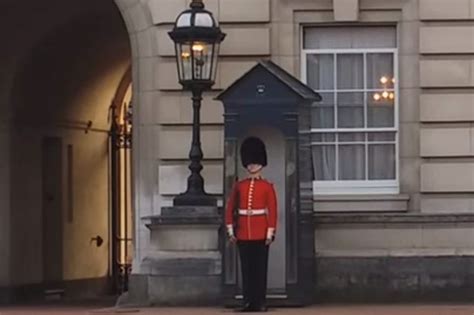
<point x="53" y="294"/>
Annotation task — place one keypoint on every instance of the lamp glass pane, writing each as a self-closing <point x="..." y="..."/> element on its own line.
<point x="203" y="20"/>
<point x="184" y="61"/>
<point x="184" y="20"/>
<point x="202" y="60"/>
<point x="215" y="56"/>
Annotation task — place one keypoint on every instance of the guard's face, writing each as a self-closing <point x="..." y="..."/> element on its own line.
<point x="254" y="168"/>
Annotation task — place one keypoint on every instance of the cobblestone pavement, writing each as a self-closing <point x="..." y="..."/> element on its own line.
<point x="313" y="310"/>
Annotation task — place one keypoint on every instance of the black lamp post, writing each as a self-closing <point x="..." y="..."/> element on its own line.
<point x="197" y="38"/>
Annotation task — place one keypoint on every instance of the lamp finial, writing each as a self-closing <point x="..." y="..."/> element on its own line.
<point x="197" y="4"/>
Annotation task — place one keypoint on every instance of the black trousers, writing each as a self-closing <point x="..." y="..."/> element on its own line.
<point x="254" y="263"/>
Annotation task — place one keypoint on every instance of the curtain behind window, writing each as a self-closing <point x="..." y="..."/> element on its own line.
<point x="329" y="74"/>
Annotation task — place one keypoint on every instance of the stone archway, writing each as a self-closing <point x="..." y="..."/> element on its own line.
<point x="64" y="65"/>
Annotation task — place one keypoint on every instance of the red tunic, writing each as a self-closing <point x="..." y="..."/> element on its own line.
<point x="255" y="194"/>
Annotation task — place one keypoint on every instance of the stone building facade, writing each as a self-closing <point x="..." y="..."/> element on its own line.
<point x="393" y="159"/>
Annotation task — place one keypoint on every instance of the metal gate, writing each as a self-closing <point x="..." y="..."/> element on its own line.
<point x="121" y="218"/>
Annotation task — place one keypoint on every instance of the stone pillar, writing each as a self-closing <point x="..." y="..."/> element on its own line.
<point x="183" y="266"/>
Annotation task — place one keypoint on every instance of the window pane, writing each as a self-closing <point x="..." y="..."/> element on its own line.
<point x="320" y="71"/>
<point x="350" y="110"/>
<point x="350" y="71"/>
<point x="380" y="71"/>
<point x="380" y="110"/>
<point x="382" y="136"/>
<point x="382" y="161"/>
<point x="352" y="162"/>
<point x="323" y="137"/>
<point x="322" y="113"/>
<point x="324" y="162"/>
<point x="351" y="136"/>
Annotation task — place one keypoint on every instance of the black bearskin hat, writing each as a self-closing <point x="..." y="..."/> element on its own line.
<point x="252" y="151"/>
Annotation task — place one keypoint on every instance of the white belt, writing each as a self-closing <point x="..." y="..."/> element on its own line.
<point x="252" y="211"/>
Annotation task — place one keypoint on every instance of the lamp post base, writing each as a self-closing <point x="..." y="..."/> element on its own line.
<point x="190" y="199"/>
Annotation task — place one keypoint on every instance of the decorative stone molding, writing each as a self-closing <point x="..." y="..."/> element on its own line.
<point x="346" y="10"/>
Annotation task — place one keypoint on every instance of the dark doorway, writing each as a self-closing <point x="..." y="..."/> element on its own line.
<point x="52" y="212"/>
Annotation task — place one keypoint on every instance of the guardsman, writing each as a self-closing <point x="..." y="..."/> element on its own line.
<point x="251" y="219"/>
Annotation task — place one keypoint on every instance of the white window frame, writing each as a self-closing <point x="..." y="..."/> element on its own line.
<point x="349" y="187"/>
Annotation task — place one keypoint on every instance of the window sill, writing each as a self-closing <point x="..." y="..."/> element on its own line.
<point x="361" y="203"/>
<point x="368" y="188"/>
<point x="394" y="218"/>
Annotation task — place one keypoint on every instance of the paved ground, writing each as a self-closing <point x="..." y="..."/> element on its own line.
<point x="314" y="310"/>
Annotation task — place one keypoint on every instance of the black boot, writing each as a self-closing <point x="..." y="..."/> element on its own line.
<point x="262" y="308"/>
<point x="247" y="307"/>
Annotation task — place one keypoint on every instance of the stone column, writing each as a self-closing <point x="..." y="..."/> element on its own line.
<point x="183" y="266"/>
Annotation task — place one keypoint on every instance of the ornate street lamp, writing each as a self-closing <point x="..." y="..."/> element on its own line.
<point x="197" y="38"/>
